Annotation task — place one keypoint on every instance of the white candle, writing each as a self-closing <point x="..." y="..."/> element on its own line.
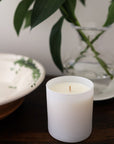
<point x="69" y="107"/>
<point x="69" y="88"/>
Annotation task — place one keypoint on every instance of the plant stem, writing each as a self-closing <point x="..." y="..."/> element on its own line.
<point x="89" y="44"/>
<point x="85" y="50"/>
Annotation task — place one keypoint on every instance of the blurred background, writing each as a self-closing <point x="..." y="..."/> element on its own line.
<point x="35" y="43"/>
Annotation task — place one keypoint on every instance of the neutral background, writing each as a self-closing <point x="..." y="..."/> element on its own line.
<point x="35" y="43"/>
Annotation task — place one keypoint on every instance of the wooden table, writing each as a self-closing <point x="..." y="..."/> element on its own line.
<point x="28" y="124"/>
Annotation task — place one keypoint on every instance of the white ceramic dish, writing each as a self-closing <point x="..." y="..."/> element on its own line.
<point x="19" y="75"/>
<point x="107" y="91"/>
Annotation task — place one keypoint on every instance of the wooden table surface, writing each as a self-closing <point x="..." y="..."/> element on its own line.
<point x="28" y="124"/>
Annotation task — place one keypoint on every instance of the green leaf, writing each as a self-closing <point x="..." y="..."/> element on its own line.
<point x="70" y="5"/>
<point x="28" y="19"/>
<point x="110" y="17"/>
<point x="65" y="14"/>
<point x="43" y="9"/>
<point x="20" y="14"/>
<point x="83" y="2"/>
<point x="55" y="43"/>
<point x="68" y="10"/>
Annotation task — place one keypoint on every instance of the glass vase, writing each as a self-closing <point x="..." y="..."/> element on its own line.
<point x="95" y="64"/>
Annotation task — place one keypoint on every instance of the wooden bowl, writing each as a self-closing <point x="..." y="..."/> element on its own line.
<point x="19" y="75"/>
<point x="7" y="109"/>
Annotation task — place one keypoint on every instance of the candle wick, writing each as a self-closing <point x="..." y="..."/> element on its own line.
<point x="69" y="88"/>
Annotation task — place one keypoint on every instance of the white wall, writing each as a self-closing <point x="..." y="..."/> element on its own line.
<point x="35" y="43"/>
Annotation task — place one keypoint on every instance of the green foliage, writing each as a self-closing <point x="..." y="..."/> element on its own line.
<point x="43" y="9"/>
<point x="28" y="18"/>
<point x="110" y="17"/>
<point x="20" y="14"/>
<point x="68" y="10"/>
<point x="55" y="43"/>
<point x="83" y="1"/>
<point x="69" y="6"/>
<point x="104" y="66"/>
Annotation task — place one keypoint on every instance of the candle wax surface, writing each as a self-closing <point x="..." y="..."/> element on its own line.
<point x="75" y="88"/>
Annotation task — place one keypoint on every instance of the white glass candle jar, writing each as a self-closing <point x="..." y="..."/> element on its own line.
<point x="69" y="108"/>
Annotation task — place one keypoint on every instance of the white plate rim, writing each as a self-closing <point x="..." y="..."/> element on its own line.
<point x="27" y="91"/>
<point x="103" y="98"/>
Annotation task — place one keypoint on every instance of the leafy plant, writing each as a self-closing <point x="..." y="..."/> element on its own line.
<point x="33" y="12"/>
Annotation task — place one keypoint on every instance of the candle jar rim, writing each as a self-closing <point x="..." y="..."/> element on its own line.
<point x="68" y="78"/>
